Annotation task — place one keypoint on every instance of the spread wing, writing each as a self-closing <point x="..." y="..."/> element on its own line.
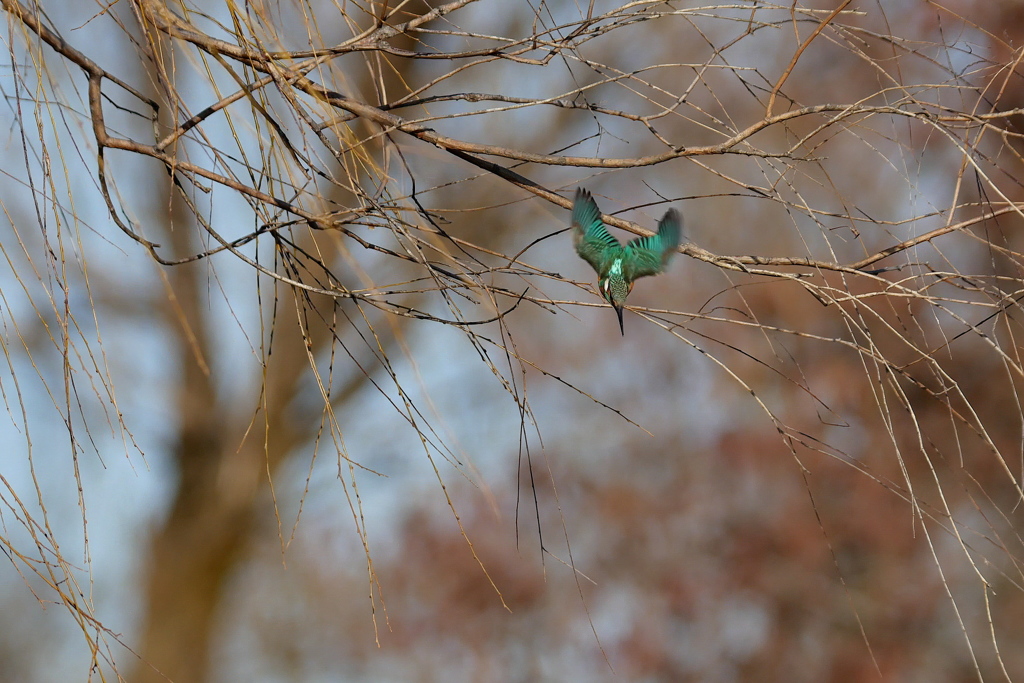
<point x="648" y="255"/>
<point x="591" y="239"/>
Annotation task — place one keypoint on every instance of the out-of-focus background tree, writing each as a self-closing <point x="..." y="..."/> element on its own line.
<point x="303" y="380"/>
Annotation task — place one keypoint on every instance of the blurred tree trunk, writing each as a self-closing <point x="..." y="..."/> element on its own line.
<point x="194" y="550"/>
<point x="221" y="476"/>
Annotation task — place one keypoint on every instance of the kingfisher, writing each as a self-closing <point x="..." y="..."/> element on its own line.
<point x="617" y="266"/>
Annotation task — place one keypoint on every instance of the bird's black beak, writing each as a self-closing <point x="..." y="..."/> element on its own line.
<point x="618" y="312"/>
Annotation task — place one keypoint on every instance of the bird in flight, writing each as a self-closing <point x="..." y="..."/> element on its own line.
<point x="618" y="266"/>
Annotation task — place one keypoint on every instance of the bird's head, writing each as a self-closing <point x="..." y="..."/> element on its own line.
<point x="615" y="289"/>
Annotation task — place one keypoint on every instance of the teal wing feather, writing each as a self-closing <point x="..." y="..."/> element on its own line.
<point x="592" y="240"/>
<point x="648" y="255"/>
